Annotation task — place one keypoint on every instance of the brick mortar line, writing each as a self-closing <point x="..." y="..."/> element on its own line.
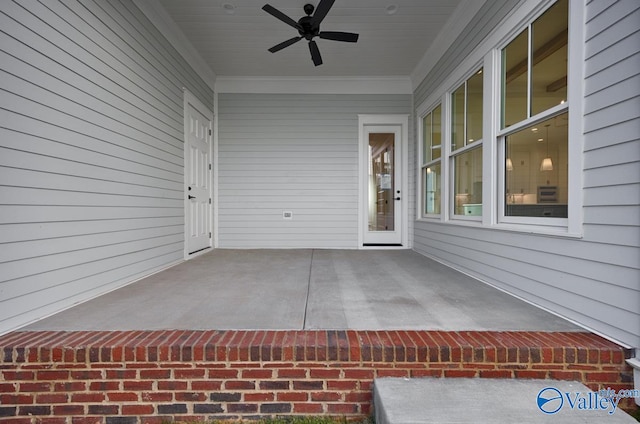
<point x="372" y="346"/>
<point x="191" y="373"/>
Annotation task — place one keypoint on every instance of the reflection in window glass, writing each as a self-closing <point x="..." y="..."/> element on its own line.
<point x="534" y="66"/>
<point x="436" y="144"/>
<point x="432" y="194"/>
<point x="468" y="183"/>
<point x="474" y="107"/>
<point x="432" y="135"/>
<point x="426" y="138"/>
<point x="536" y="170"/>
<point x="549" y="70"/>
<point x="466" y="112"/>
<point x="457" y="118"/>
<point x="514" y="80"/>
<point x="432" y="151"/>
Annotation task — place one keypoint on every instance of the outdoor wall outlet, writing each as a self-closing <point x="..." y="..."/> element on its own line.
<point x="287" y="215"/>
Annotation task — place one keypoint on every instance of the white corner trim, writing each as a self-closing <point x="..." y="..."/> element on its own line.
<point x="159" y="17"/>
<point x="458" y="21"/>
<point x="312" y="85"/>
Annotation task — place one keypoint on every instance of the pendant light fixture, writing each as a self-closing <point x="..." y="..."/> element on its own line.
<point x="547" y="163"/>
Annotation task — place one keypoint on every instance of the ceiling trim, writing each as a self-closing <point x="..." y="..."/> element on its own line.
<point x="461" y="17"/>
<point x="159" y="17"/>
<point x="314" y="85"/>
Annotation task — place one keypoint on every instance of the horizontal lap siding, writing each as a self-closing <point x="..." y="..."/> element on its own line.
<point x="295" y="153"/>
<point x="612" y="154"/>
<point x="91" y="152"/>
<point x="594" y="280"/>
<point x="487" y="18"/>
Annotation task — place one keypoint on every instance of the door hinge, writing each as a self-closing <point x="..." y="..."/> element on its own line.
<point x="209" y="200"/>
<point x="209" y="132"/>
<point x="209" y="235"/>
<point x="209" y="167"/>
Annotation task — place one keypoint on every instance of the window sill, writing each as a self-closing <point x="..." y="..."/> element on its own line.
<point x="539" y="230"/>
<point x="528" y="229"/>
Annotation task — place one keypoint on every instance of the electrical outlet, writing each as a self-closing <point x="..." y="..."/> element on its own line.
<point x="287" y="215"/>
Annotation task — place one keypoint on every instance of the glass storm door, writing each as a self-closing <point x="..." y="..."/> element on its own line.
<point x="384" y="194"/>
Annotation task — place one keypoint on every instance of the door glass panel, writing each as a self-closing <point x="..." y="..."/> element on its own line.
<point x="381" y="181"/>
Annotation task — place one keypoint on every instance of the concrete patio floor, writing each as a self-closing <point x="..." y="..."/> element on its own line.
<point x="307" y="289"/>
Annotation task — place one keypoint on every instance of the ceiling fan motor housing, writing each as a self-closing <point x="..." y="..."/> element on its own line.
<point x="308" y="9"/>
<point x="309" y="29"/>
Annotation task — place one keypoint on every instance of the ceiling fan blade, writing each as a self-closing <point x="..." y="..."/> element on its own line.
<point x="315" y="53"/>
<point x="349" y="37"/>
<point x="284" y="44"/>
<point x="278" y="14"/>
<point x="321" y="10"/>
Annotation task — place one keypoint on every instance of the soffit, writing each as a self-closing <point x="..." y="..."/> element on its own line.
<point x="236" y="44"/>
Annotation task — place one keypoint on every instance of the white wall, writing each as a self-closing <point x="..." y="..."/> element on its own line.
<point x="594" y="280"/>
<point x="91" y="152"/>
<point x="292" y="152"/>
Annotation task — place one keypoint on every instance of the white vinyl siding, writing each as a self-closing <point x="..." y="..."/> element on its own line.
<point x="91" y="152"/>
<point x="295" y="153"/>
<point x="593" y="280"/>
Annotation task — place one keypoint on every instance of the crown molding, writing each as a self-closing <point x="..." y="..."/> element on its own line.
<point x="314" y="85"/>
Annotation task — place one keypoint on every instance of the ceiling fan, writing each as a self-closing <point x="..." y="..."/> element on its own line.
<point x="309" y="27"/>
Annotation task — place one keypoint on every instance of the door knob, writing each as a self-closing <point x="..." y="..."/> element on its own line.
<point x="191" y="197"/>
<point x="398" y="198"/>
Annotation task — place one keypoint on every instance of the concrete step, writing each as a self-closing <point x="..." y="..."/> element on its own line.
<point x="480" y="400"/>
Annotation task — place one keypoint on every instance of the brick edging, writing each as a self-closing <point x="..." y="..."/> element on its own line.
<point x="150" y="376"/>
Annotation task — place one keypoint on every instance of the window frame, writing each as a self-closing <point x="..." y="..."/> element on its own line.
<point x="468" y="146"/>
<point x="488" y="56"/>
<point x="542" y="223"/>
<point x="547" y="222"/>
<point x="452" y="169"/>
<point x="423" y="165"/>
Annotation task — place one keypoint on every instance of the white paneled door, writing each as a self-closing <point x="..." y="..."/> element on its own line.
<point x="198" y="141"/>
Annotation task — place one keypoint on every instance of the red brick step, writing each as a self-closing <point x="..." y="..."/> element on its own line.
<point x="150" y="376"/>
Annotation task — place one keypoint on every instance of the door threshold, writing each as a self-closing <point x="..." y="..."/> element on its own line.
<point x="200" y="251"/>
<point x="382" y="244"/>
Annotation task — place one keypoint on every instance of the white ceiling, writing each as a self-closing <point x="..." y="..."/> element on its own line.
<point x="236" y="44"/>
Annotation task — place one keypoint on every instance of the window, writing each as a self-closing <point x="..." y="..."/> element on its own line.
<point x="536" y="169"/>
<point x="534" y="101"/>
<point x="466" y="148"/>
<point x="466" y="101"/>
<point x="468" y="183"/>
<point x="534" y="67"/>
<point x="431" y="161"/>
<point x="495" y="148"/>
